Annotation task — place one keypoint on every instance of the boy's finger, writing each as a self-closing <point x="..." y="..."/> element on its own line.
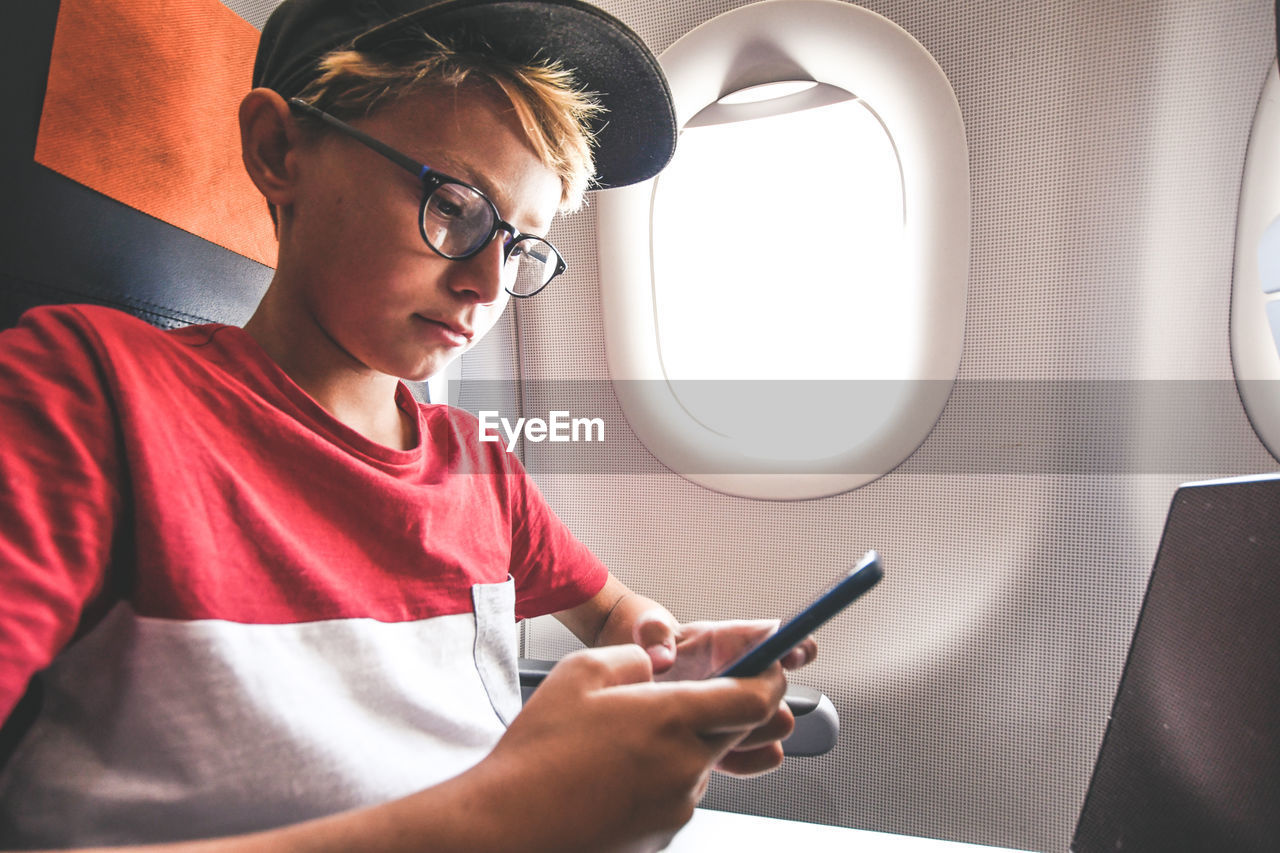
<point x="751" y="762"/>
<point x="733" y="639"/>
<point x="732" y="706"/>
<point x="779" y="727"/>
<point x="657" y="636"/>
<point x="607" y="666"/>
<point x="802" y="655"/>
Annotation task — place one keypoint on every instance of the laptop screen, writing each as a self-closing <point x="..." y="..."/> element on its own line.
<point x="1191" y="756"/>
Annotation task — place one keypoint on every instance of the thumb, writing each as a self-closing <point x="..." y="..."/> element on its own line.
<point x="607" y="666"/>
<point x="654" y="631"/>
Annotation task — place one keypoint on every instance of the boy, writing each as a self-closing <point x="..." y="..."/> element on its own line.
<point x="251" y="589"/>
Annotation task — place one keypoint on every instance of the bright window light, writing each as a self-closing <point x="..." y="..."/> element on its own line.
<point x="778" y="251"/>
<point x="778" y="254"/>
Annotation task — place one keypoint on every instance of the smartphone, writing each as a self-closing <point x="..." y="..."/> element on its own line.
<point x="862" y="577"/>
<point x="866" y="574"/>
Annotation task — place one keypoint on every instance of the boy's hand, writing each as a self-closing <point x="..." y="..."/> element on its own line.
<point x="601" y="758"/>
<point x="698" y="650"/>
<point x="628" y="757"/>
<point x="692" y="652"/>
<point x="616" y="615"/>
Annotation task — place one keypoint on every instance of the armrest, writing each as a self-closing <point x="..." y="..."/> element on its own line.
<point x="817" y="723"/>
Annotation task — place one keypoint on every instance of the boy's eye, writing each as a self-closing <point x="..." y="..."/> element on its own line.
<point x="445" y="204"/>
<point x="531" y="250"/>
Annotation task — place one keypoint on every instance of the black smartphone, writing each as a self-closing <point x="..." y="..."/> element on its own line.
<point x="866" y="574"/>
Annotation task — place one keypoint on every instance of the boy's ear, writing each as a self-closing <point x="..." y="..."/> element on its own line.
<point x="268" y="137"/>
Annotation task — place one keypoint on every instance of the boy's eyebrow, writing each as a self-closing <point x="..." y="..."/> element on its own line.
<point x="464" y="171"/>
<point x="473" y="174"/>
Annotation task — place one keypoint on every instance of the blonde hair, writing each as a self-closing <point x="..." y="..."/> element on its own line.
<point x="554" y="113"/>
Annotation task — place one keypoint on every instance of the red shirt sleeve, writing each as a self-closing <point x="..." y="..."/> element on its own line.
<point x="59" y="489"/>
<point x="553" y="570"/>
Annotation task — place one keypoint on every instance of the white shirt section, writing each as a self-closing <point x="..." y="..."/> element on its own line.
<point x="155" y="729"/>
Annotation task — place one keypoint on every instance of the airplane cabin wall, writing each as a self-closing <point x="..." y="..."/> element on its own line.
<point x="1106" y="144"/>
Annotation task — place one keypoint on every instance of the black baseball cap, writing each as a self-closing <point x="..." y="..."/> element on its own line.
<point x="635" y="137"/>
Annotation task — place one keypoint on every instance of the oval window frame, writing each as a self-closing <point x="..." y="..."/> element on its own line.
<point x="1255" y="351"/>
<point x="864" y="53"/>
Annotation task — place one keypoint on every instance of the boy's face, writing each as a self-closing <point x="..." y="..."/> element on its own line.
<point x="360" y="269"/>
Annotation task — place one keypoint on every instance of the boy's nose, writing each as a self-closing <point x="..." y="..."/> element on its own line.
<point x="480" y="277"/>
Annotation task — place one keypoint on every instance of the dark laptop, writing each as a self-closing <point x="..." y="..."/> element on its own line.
<point x="1191" y="756"/>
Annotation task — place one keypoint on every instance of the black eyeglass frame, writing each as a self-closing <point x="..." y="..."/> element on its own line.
<point x="431" y="181"/>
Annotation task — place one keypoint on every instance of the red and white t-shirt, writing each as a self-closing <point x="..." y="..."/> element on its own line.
<point x="242" y="613"/>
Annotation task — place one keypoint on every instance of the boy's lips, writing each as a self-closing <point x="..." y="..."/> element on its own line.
<point x="461" y="331"/>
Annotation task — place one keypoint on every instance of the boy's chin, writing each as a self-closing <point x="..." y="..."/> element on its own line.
<point x="433" y="368"/>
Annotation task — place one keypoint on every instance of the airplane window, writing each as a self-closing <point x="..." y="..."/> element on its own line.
<point x="1255" y="305"/>
<point x="754" y="241"/>
<point x="784" y="304"/>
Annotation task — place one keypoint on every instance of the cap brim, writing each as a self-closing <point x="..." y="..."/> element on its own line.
<point x="637" y="135"/>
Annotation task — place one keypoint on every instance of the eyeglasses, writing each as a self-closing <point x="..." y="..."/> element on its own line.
<point x="457" y="220"/>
